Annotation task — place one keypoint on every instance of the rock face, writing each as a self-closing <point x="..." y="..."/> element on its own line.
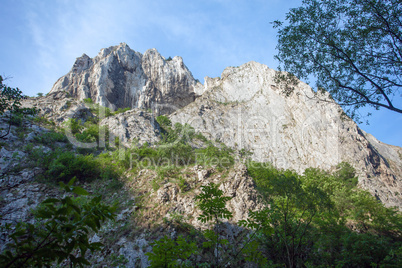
<point x="247" y="109"/>
<point x="119" y="77"/>
<point x="133" y="126"/>
<point x="238" y="185"/>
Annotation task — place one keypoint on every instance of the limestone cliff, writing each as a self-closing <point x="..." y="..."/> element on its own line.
<point x="119" y="77"/>
<point x="247" y="109"/>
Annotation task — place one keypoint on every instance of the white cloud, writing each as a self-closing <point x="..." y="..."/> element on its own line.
<point x="214" y="33"/>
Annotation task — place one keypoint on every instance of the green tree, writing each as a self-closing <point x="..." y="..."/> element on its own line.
<point x="287" y="222"/>
<point x="353" y="48"/>
<point x="10" y="100"/>
<point x="167" y="252"/>
<point x="322" y="219"/>
<point x="61" y="232"/>
<point x="213" y="206"/>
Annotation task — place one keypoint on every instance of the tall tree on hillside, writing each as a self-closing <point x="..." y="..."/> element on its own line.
<point x="353" y="49"/>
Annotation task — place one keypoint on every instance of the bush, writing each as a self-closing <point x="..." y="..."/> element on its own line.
<point x="67" y="165"/>
<point x="74" y="125"/>
<point x="43" y="120"/>
<point x="10" y="100"/>
<point x="51" y="137"/>
<point x="96" y="110"/>
<point x="178" y="134"/>
<point x="122" y="110"/>
<point x="212" y="155"/>
<point x="16" y="119"/>
<point x="167" y="252"/>
<point x="61" y="232"/>
<point x="164" y="121"/>
<point x="88" y="101"/>
<point x="178" y="154"/>
<point x="91" y="133"/>
<point x="62" y="166"/>
<point x="346" y="173"/>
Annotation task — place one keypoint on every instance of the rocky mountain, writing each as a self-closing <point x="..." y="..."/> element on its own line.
<point x="245" y="109"/>
<point x="119" y="77"/>
<point x="242" y="114"/>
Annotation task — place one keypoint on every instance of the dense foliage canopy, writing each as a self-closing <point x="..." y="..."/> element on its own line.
<point x="352" y="47"/>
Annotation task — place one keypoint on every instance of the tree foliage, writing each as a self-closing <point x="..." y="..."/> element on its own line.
<point x="167" y="252"/>
<point x="10" y="100"/>
<point x="214" y="249"/>
<point x="322" y="219"/>
<point x="287" y="221"/>
<point x="60" y="232"/>
<point x="352" y="47"/>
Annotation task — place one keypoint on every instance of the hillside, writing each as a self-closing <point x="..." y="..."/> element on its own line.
<point x="231" y="173"/>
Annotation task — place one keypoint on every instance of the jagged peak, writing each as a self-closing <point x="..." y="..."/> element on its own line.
<point x="82" y="63"/>
<point x="104" y="52"/>
<point x="154" y="54"/>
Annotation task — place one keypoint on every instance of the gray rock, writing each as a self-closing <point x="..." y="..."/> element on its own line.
<point x="133" y="126"/>
<point x="119" y="77"/>
<point x="247" y="109"/>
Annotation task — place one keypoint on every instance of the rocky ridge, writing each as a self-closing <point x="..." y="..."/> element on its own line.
<point x="119" y="77"/>
<point x="245" y="108"/>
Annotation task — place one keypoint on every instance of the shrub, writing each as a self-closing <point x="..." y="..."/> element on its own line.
<point x="96" y="110"/>
<point x="183" y="184"/>
<point x="10" y="100"/>
<point x="177" y="154"/>
<point x="212" y="155"/>
<point x="74" y="125"/>
<point x="61" y="232"/>
<point x="16" y="119"/>
<point x="167" y="252"/>
<point x="43" y="120"/>
<point x="164" y="121"/>
<point x="346" y="173"/>
<point x="61" y="165"/>
<point x="178" y="134"/>
<point x="122" y="110"/>
<point x="88" y="101"/>
<point x="67" y="165"/>
<point x="50" y="137"/>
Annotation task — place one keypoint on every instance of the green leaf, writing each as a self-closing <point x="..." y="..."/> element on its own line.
<point x="50" y="200"/>
<point x="71" y="182"/>
<point x="80" y="191"/>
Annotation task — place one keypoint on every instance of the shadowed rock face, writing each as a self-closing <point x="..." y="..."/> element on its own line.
<point x="119" y="77"/>
<point x="247" y="109"/>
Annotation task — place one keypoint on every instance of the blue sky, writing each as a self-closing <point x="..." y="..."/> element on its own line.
<point x="41" y="39"/>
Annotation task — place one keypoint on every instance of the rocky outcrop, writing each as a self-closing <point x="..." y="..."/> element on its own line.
<point x="133" y="126"/>
<point x="247" y="109"/>
<point x="119" y="77"/>
<point x="237" y="185"/>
